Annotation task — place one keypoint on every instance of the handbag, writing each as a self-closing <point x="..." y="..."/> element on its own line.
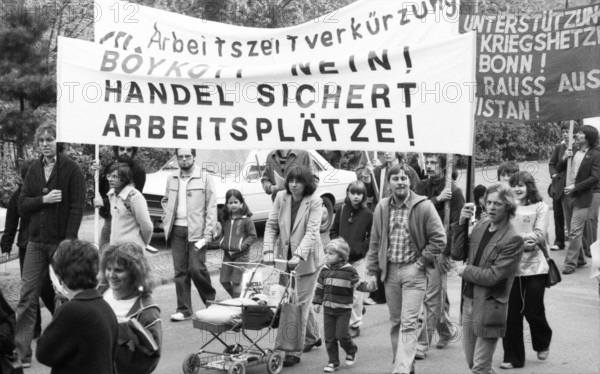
<point x="553" y="272"/>
<point x="10" y="364"/>
<point x="290" y="326"/>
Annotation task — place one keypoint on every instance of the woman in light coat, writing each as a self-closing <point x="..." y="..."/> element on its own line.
<point x="292" y="233"/>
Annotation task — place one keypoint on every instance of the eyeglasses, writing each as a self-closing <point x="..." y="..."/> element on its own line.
<point x="185" y="157"/>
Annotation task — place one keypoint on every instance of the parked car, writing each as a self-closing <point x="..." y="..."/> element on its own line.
<point x="242" y="169"/>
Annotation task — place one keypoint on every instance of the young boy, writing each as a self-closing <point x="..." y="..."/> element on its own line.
<point x="335" y="290"/>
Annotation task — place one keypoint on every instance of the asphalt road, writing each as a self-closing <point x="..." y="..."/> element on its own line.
<point x="572" y="307"/>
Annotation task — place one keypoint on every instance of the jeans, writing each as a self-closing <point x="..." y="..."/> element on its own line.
<point x="404" y="290"/>
<point x="526" y="300"/>
<point x="336" y="323"/>
<point x="35" y="270"/>
<point x="478" y="351"/>
<point x="591" y="225"/>
<point x="46" y="293"/>
<point x="436" y="306"/>
<point x="574" y="254"/>
<point x="309" y="331"/>
<point x="357" y="300"/>
<point x="190" y="265"/>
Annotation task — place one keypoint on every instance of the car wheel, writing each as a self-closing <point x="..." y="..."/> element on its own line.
<point x="327" y="217"/>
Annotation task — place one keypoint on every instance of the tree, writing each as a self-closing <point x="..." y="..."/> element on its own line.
<point x="25" y="77"/>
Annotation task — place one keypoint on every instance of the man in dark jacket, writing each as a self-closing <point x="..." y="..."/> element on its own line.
<point x="278" y="164"/>
<point x="560" y="201"/>
<point x="52" y="198"/>
<point x="436" y="304"/>
<point x="579" y="186"/>
<point x="14" y="223"/>
<point x="492" y="254"/>
<point x="122" y="155"/>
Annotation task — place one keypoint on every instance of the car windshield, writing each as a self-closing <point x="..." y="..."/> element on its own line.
<point x="221" y="162"/>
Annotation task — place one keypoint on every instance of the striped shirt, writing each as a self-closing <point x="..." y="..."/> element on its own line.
<point x="399" y="247"/>
<point x="335" y="286"/>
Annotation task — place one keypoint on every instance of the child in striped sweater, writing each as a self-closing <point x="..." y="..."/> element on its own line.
<point x="335" y="290"/>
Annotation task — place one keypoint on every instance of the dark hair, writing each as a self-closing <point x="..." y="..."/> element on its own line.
<point x="131" y="257"/>
<point x="245" y="211"/>
<point x="591" y="135"/>
<point x="75" y="262"/>
<point x="565" y="125"/>
<point x="441" y="157"/>
<point x="478" y="192"/>
<point x="123" y="171"/>
<point x="191" y="149"/>
<point x="357" y="187"/>
<point x="303" y="175"/>
<point x="48" y="127"/>
<point x="533" y="194"/>
<point x="396" y="170"/>
<point x="134" y="151"/>
<point x="507" y="167"/>
<point x="507" y="196"/>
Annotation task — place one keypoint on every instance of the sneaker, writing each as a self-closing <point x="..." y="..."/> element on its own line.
<point x="330" y="368"/>
<point x="179" y="317"/>
<point x="542" y="355"/>
<point x="351" y="358"/>
<point x="151" y="249"/>
<point x="25" y="364"/>
<point x="420" y="355"/>
<point x="354" y="332"/>
<point x="369" y="301"/>
<point x="506" y="365"/>
<point x="557" y="247"/>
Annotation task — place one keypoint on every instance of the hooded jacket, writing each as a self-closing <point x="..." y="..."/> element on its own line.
<point x="424" y="225"/>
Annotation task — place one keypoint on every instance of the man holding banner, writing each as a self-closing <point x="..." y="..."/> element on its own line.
<point x="278" y="164"/>
<point x="436" y="304"/>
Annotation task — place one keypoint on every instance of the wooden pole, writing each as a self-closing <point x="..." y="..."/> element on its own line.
<point x="97" y="190"/>
<point x="570" y="146"/>
<point x="449" y="167"/>
<point x="375" y="187"/>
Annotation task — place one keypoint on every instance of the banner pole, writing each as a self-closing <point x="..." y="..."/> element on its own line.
<point x="97" y="191"/>
<point x="570" y="146"/>
<point x="375" y="188"/>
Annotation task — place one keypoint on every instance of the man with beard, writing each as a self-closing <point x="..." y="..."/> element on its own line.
<point x="436" y="305"/>
<point x="122" y="155"/>
<point x="52" y="198"/>
<point x="189" y="218"/>
<point x="407" y="238"/>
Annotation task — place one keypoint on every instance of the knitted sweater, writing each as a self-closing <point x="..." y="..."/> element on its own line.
<point x="356" y="233"/>
<point x="335" y="286"/>
<point x="82" y="337"/>
<point x="51" y="223"/>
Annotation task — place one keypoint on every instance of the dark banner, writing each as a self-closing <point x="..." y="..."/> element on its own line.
<point x="537" y="67"/>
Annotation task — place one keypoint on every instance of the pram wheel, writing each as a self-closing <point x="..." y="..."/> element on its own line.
<point x="275" y="363"/>
<point x="236" y="368"/>
<point x="191" y="364"/>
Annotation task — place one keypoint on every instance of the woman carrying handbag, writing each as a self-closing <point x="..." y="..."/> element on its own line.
<point x="527" y="293"/>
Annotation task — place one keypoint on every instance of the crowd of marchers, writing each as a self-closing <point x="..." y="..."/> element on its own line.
<point x="403" y="228"/>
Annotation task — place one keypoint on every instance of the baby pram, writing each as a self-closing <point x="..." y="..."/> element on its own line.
<point x="271" y="289"/>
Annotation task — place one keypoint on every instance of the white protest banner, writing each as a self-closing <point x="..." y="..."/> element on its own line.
<point x="418" y="98"/>
<point x="362" y="26"/>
